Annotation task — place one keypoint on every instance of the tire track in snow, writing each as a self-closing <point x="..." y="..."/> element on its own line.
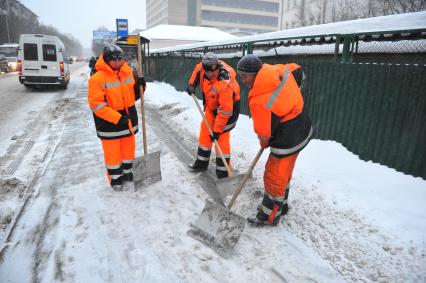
<point x="180" y="145"/>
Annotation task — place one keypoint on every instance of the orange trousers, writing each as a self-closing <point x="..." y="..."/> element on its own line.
<point x="278" y="172"/>
<point x="205" y="141"/>
<point x="119" y="155"/>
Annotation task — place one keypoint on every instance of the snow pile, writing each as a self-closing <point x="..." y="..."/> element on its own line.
<point x="349" y="220"/>
<point x="353" y="213"/>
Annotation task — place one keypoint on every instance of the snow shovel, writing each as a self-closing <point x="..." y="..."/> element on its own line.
<point x="146" y="168"/>
<point x="225" y="186"/>
<point x="218" y="227"/>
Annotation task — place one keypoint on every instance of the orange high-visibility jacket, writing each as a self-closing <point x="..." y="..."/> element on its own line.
<point x="276" y="106"/>
<point x="112" y="94"/>
<point x="220" y="95"/>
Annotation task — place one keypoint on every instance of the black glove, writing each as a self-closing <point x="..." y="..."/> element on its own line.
<point x="190" y="90"/>
<point x="141" y="82"/>
<point x="123" y="122"/>
<point x="215" y="136"/>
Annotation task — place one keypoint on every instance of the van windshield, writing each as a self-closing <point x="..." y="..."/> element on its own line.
<point x="49" y="52"/>
<point x="30" y="52"/>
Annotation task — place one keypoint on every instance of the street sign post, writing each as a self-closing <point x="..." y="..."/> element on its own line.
<point x="122" y="27"/>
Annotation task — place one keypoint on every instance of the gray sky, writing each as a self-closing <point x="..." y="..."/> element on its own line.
<point x="81" y="17"/>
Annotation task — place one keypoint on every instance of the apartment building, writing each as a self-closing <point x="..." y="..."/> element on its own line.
<point x="233" y="16"/>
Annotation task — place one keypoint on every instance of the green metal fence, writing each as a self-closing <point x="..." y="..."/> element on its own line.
<point x="376" y="110"/>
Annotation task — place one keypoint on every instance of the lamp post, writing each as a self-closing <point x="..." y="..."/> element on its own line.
<point x="5" y="13"/>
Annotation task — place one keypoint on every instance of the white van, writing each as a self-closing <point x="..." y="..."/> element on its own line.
<point x="42" y="60"/>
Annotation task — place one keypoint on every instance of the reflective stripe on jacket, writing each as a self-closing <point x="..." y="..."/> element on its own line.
<point x="221" y="95"/>
<point x="111" y="95"/>
<point x="276" y="105"/>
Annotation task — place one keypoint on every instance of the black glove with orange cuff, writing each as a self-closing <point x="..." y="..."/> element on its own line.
<point x="190" y="90"/>
<point x="215" y="136"/>
<point x="123" y="122"/>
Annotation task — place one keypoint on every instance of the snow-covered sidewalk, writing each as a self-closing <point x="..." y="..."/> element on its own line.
<point x="349" y="220"/>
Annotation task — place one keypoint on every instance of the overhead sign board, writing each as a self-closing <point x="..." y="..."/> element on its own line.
<point x="103" y="37"/>
<point x="122" y="27"/>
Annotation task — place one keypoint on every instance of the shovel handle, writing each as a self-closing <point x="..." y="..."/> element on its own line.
<point x="145" y="145"/>
<point x="211" y="133"/>
<point x="244" y="180"/>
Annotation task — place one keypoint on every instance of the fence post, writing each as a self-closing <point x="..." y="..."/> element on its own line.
<point x="336" y="49"/>
<point x="346" y="53"/>
<point x="250" y="48"/>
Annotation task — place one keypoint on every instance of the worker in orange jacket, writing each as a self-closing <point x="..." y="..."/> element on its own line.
<point x="113" y="91"/>
<point x="221" y="99"/>
<point x="281" y="123"/>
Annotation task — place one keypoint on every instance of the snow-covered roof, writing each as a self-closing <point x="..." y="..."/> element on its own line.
<point x="408" y="21"/>
<point x="10" y="45"/>
<point x="193" y="33"/>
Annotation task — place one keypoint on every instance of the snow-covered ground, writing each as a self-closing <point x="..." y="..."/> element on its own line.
<point x="349" y="220"/>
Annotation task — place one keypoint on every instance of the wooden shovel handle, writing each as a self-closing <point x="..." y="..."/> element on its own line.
<point x="211" y="133"/>
<point x="145" y="143"/>
<point x="244" y="180"/>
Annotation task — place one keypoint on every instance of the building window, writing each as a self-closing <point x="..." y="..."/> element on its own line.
<point x="245" y="4"/>
<point x="217" y="16"/>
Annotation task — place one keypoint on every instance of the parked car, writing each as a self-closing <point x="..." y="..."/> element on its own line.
<point x="42" y="60"/>
<point x="4" y="67"/>
<point x="13" y="63"/>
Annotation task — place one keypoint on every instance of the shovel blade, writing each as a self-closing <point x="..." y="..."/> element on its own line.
<point x="218" y="228"/>
<point x="227" y="186"/>
<point x="147" y="169"/>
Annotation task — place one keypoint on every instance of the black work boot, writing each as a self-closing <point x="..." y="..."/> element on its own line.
<point x="117" y="184"/>
<point x="118" y="187"/>
<point x="256" y="222"/>
<point x="285" y="209"/>
<point x="128" y="177"/>
<point x="283" y="212"/>
<point x="199" y="166"/>
<point x="221" y="171"/>
<point x="221" y="174"/>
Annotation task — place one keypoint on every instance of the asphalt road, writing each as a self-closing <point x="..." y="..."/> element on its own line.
<point x="18" y="104"/>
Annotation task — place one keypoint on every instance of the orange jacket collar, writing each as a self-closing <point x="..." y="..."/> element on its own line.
<point x="102" y="65"/>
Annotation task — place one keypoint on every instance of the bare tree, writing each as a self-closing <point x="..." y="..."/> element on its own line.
<point x="324" y="11"/>
<point x="402" y="6"/>
<point x="18" y="24"/>
<point x="316" y="13"/>
<point x="72" y="44"/>
<point x="301" y="13"/>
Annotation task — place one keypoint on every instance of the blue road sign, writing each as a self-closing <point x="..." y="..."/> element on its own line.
<point x="104" y="37"/>
<point x="122" y="27"/>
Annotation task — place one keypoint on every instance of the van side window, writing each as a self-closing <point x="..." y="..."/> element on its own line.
<point x="49" y="52"/>
<point x="30" y="52"/>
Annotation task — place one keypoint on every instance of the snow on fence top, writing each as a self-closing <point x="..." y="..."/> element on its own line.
<point x="383" y="24"/>
<point x="178" y="32"/>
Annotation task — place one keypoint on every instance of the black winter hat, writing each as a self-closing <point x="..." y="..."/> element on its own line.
<point x="249" y="64"/>
<point x="210" y="62"/>
<point x="112" y="51"/>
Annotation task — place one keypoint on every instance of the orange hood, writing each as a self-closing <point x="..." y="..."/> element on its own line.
<point x="102" y="65"/>
<point x="266" y="81"/>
